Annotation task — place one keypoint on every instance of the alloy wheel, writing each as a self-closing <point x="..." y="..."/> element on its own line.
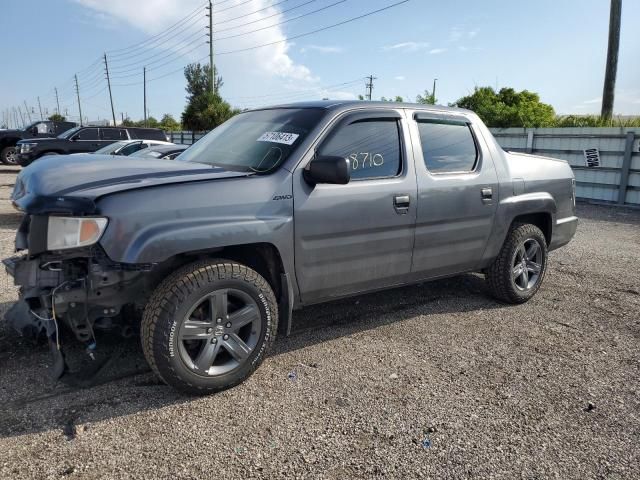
<point x="527" y="264"/>
<point x="219" y="333"/>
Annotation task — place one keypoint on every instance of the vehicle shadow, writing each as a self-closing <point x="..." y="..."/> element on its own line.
<point x="32" y="403"/>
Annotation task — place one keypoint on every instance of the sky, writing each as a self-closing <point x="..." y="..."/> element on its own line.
<point x="556" y="48"/>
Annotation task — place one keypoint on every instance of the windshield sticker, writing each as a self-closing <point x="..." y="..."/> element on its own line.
<point x="279" y="137"/>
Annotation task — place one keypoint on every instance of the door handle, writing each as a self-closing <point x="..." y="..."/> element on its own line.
<point x="401" y="203"/>
<point x="486" y="193"/>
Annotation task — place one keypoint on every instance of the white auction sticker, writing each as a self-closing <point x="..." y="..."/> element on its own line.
<point x="279" y="137"/>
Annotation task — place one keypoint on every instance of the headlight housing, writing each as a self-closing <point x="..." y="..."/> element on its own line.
<point x="27" y="147"/>
<point x="74" y="232"/>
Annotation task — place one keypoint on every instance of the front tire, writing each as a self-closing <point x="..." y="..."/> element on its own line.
<point x="8" y="155"/>
<point x="516" y="275"/>
<point x="208" y="326"/>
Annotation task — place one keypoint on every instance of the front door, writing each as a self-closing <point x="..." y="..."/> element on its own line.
<point x="357" y="237"/>
<point x="457" y="195"/>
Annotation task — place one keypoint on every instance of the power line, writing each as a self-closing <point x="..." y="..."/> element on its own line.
<point x="353" y="19"/>
<point x="251" y="13"/>
<point x="263" y="18"/>
<point x="283" y="22"/>
<point x="181" y="69"/>
<point x="146" y="61"/>
<point x="144" y="50"/>
<point x="155" y="37"/>
<point x="175" y="55"/>
<point x="233" y="6"/>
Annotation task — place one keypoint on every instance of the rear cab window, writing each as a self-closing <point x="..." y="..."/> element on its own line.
<point x="448" y="145"/>
<point x="371" y="144"/>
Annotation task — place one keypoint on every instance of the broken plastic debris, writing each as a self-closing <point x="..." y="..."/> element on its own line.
<point x="293" y="376"/>
<point x="426" y="443"/>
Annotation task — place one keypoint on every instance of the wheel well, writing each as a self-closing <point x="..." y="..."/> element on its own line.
<point x="264" y="258"/>
<point x="8" y="142"/>
<point x="541" y="220"/>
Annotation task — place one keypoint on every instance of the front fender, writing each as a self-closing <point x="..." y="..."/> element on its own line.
<point x="508" y="210"/>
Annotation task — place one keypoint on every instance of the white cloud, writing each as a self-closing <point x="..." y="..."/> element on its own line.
<point x="400" y="77"/>
<point x="436" y="51"/>
<point x="407" y="46"/>
<point x="154" y="16"/>
<point x="593" y="100"/>
<point x="322" y="49"/>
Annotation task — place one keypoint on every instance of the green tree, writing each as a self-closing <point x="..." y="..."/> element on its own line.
<point x="397" y="98"/>
<point x="56" y="117"/>
<point x="204" y="110"/>
<point x="168" y="123"/>
<point x="127" y="122"/>
<point x="428" y="98"/>
<point x="508" y="108"/>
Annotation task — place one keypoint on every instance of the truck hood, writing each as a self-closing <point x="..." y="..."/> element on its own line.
<point x="4" y="133"/>
<point x="71" y="183"/>
<point x="43" y="139"/>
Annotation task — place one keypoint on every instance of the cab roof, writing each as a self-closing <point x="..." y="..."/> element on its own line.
<point x="347" y="104"/>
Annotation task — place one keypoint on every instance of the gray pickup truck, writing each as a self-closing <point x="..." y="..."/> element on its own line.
<point x="278" y="208"/>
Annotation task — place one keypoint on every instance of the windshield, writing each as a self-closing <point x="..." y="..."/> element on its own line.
<point x="258" y="141"/>
<point x="30" y="127"/>
<point x="112" y="147"/>
<point x="69" y="132"/>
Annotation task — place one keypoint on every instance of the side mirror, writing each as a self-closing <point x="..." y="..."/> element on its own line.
<point x="335" y="170"/>
<point x="34" y="131"/>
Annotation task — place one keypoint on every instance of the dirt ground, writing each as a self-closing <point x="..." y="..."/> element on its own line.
<point x="436" y="380"/>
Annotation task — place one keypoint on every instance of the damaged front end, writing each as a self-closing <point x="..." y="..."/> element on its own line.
<point x="71" y="291"/>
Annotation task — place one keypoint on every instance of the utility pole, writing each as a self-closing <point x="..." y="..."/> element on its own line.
<point x="106" y="69"/>
<point x="608" y="91"/>
<point x="144" y="81"/>
<point x="26" y="109"/>
<point x="40" y="108"/>
<point x="212" y="77"/>
<point x="369" y="86"/>
<point x="78" y="94"/>
<point x="433" y="92"/>
<point x="57" y="100"/>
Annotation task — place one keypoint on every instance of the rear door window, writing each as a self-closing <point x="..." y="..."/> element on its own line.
<point x="447" y="146"/>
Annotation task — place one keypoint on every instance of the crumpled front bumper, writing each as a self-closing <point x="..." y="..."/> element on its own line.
<point x="28" y="315"/>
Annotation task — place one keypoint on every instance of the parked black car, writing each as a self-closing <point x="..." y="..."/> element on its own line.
<point x="45" y="128"/>
<point x="82" y="139"/>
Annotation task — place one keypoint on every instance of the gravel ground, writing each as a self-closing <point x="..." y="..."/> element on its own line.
<point x="435" y="380"/>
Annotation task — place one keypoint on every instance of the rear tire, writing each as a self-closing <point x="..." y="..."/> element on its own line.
<point x="8" y="156"/>
<point x="208" y="326"/>
<point x="516" y="275"/>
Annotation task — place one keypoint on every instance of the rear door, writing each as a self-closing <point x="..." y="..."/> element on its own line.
<point x="457" y="194"/>
<point x="357" y="237"/>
